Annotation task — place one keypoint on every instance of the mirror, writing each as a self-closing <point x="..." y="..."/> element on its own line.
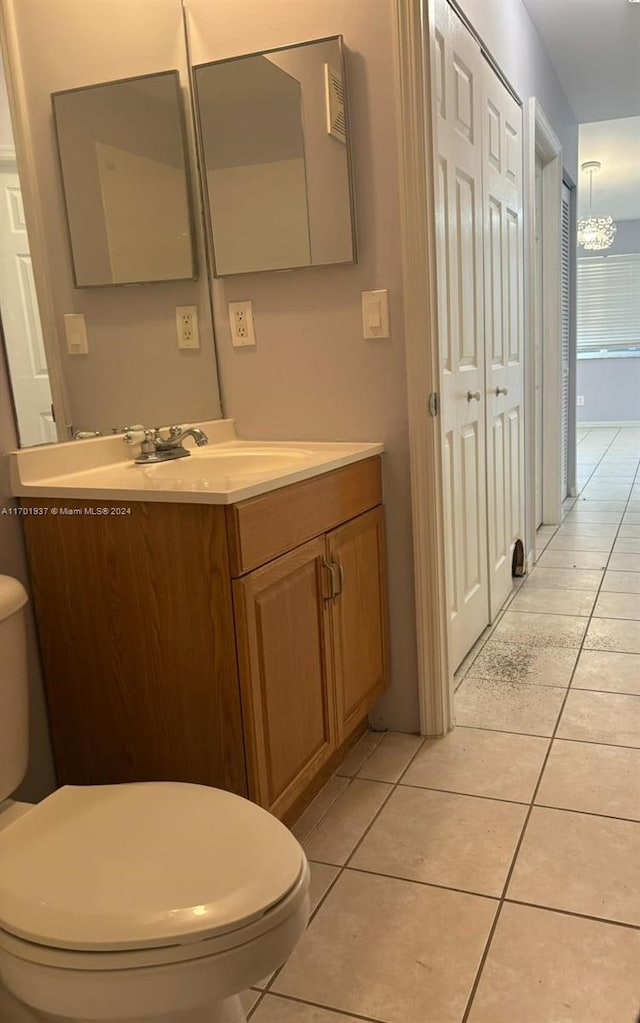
<point x="135" y="369"/>
<point x="122" y="157"/>
<point x="274" y="136"/>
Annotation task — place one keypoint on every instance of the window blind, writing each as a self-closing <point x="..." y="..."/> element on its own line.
<point x="608" y="303"/>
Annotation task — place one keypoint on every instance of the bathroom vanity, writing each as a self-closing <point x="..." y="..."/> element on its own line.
<point x="229" y="630"/>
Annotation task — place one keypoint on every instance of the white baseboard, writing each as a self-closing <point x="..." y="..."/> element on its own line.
<point x="619" y="424"/>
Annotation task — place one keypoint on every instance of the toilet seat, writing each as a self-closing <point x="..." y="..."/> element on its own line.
<point x="139" y="871"/>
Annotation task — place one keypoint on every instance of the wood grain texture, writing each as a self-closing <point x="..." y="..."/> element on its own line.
<point x="264" y="527"/>
<point x="136" y="628"/>
<point x="286" y="675"/>
<point x="359" y="617"/>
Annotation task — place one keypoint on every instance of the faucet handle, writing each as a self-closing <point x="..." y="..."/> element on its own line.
<point x="173" y="431"/>
<point x="134" y="434"/>
<point x="150" y="441"/>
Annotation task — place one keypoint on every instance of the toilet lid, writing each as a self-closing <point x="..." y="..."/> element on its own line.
<point x="141" y="865"/>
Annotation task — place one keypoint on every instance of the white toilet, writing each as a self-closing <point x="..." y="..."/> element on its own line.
<point x="154" y="902"/>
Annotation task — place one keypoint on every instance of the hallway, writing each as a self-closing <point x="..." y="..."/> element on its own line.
<point x="492" y="876"/>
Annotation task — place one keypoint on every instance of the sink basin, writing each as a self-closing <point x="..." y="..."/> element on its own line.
<point x="237" y="462"/>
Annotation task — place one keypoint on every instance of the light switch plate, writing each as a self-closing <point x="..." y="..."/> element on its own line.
<point x="375" y="314"/>
<point x="75" y="328"/>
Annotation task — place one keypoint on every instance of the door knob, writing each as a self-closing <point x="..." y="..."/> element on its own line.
<point x="473" y="396"/>
<point x="501" y="390"/>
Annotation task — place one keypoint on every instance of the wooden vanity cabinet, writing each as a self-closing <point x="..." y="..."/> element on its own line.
<point x="234" y="646"/>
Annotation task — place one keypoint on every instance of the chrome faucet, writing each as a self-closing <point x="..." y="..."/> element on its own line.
<point x="156" y="448"/>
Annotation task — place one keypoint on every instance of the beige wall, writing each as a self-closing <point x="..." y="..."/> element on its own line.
<point x="312" y="376"/>
<point x="40" y="778"/>
<point x="134" y="372"/>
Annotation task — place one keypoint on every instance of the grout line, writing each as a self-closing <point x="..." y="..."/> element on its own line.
<point x="570" y="912"/>
<point x="469" y="795"/>
<point x="520" y="681"/>
<point x="605" y="692"/>
<point x="367" y="757"/>
<point x="424" y="884"/>
<point x="557" y="614"/>
<point x="327" y="1008"/>
<point x="589" y="813"/>
<point x="560" y="739"/>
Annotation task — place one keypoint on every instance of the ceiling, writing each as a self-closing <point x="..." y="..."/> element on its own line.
<point x="616" y="188"/>
<point x="594" y="46"/>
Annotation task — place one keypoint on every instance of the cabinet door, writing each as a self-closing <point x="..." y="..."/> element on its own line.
<point x="135" y="617"/>
<point x="288" y="708"/>
<point x="356" y="552"/>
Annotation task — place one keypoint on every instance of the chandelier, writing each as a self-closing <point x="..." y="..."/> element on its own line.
<point x="595" y="232"/>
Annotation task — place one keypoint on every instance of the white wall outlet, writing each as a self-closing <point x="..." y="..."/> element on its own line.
<point x="75" y="328"/>
<point x="580" y="400"/>
<point x="375" y="314"/>
<point x="187" y="326"/>
<point x="241" y="323"/>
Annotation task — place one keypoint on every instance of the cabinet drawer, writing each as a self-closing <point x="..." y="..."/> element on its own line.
<point x="264" y="527"/>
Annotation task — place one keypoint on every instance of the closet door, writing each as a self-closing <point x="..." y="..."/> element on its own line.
<point x="458" y="67"/>
<point x="504" y="327"/>
<point x="566" y="336"/>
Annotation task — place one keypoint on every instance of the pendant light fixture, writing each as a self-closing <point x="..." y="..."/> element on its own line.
<point x="595" y="232"/>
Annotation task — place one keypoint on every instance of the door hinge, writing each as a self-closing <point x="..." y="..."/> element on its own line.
<point x="434" y="404"/>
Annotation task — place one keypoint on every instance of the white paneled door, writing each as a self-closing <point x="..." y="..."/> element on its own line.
<point x="458" y="89"/>
<point x="20" y="317"/>
<point x="566" y="339"/>
<point x="479" y="232"/>
<point x="504" y="320"/>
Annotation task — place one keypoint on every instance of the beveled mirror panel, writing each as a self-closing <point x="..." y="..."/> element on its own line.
<point x="124" y="173"/>
<point x="274" y="135"/>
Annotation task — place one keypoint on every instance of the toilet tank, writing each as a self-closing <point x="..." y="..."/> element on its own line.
<point x="14" y="710"/>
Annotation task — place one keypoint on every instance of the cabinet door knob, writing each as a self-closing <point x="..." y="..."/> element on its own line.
<point x="473" y="396"/>
<point x="332" y="575"/>
<point x="501" y="390"/>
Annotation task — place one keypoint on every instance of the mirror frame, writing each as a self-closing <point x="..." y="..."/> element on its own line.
<point x="202" y="163"/>
<point x="175" y="74"/>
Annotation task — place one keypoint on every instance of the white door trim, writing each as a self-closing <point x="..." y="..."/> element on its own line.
<point x="418" y="242"/>
<point x="544" y="142"/>
<point x="34" y="215"/>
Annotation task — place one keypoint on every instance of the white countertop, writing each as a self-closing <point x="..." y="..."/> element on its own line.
<point x="224" y="471"/>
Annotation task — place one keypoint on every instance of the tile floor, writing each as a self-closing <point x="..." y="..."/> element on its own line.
<point x="493" y="876"/>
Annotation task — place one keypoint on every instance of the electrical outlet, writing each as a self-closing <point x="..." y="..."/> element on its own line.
<point x="187" y="326"/>
<point x="580" y="400"/>
<point x="241" y="323"/>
